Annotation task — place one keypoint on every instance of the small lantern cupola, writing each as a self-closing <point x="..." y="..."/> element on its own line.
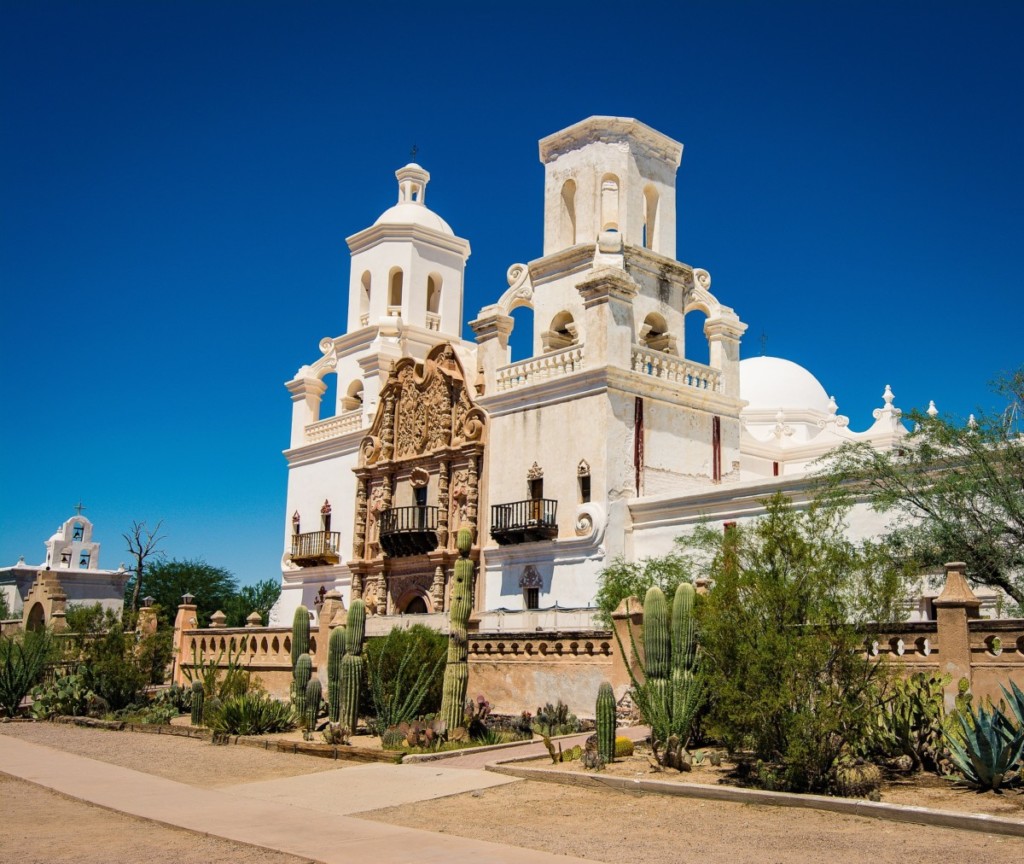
<point x="412" y="184"/>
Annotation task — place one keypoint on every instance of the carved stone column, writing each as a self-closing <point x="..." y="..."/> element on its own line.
<point x="387" y="431"/>
<point x="359" y="545"/>
<point x="442" y="505"/>
<point x="473" y="495"/>
<point x="437" y="589"/>
<point x="357" y="586"/>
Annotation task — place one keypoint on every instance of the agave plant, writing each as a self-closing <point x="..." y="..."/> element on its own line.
<point x="987" y="749"/>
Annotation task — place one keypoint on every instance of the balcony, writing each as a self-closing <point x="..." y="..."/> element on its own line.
<point x="316" y="548"/>
<point x="408" y="531"/>
<point x="524" y="521"/>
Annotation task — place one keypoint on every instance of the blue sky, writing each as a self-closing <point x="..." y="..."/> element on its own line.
<point x="177" y="180"/>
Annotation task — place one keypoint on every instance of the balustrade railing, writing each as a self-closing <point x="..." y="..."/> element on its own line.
<point x="433" y="321"/>
<point x="676" y="369"/>
<point x="524" y="521"/>
<point x="537" y="369"/>
<point x="316" y="547"/>
<point x="335" y="427"/>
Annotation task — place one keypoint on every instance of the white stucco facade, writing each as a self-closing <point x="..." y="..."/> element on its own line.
<point x="608" y="441"/>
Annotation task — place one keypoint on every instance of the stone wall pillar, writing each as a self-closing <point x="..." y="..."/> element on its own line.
<point x="724" y="335"/>
<point x="608" y="318"/>
<point x="492" y="332"/>
<point x="184" y="620"/>
<point x="953" y="607"/>
<point x="306" y="395"/>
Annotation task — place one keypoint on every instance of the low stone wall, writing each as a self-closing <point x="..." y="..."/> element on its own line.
<point x="519" y="671"/>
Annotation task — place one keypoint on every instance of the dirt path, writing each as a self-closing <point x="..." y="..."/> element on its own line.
<point x="187" y="760"/>
<point x="41" y="827"/>
<point x="653" y="829"/>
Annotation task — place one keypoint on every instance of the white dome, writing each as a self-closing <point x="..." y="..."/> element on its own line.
<point x="771" y="383"/>
<point x="411" y="213"/>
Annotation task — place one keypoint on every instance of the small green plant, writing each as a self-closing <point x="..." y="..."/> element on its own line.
<point x="556" y="719"/>
<point x="220" y="676"/>
<point x="22" y="662"/>
<point x="251" y="714"/>
<point x="623" y="747"/>
<point x="910" y="720"/>
<point x="336" y="734"/>
<point x="66" y="696"/>
<point x="477" y="712"/>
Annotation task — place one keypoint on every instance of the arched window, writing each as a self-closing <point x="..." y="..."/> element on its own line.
<point x="434" y="293"/>
<point x="395" y="291"/>
<point x="568" y="220"/>
<point x="609" y="203"/>
<point x="364" y="299"/>
<point x="520" y="343"/>
<point x="561" y="334"/>
<point x="77" y="531"/>
<point x="353" y="396"/>
<point x="83" y="560"/>
<point x="329" y="399"/>
<point x="696" y="346"/>
<point x="654" y="334"/>
<point x="650" y="215"/>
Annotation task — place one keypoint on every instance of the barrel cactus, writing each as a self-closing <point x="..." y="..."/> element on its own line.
<point x="300" y="634"/>
<point x="456" y="670"/>
<point x="352" y="666"/>
<point x="313" y="697"/>
<point x="335" y="652"/>
<point x="301" y="677"/>
<point x="605" y="713"/>
<point x="198" y="698"/>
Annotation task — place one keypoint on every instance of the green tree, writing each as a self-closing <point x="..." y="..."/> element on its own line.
<point x="167" y="580"/>
<point x="253" y="598"/>
<point x="622" y="579"/>
<point x="956" y="490"/>
<point x="782" y="636"/>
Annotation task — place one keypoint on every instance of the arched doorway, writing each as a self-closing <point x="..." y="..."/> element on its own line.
<point x="416" y="606"/>
<point x="36" y="618"/>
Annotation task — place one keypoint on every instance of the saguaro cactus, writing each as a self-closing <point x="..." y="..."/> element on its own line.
<point x="657" y="644"/>
<point x="456" y="670"/>
<point x="684" y="653"/>
<point x="313" y="697"/>
<point x="300" y="634"/>
<point x="303" y="672"/>
<point x="335" y="652"/>
<point x="605" y="714"/>
<point x="352" y="666"/>
<point x="198" y="698"/>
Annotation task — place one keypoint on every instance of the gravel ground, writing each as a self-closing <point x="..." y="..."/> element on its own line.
<point x="41" y="827"/>
<point x="187" y="760"/>
<point x="652" y="829"/>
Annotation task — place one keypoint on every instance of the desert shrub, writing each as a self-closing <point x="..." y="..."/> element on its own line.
<point x="781" y="640"/>
<point x="111" y="668"/>
<point x="23" y="661"/>
<point x="404" y="675"/>
<point x="556" y="719"/>
<point x="986" y="744"/>
<point x="249" y="714"/>
<point x="223" y="676"/>
<point x="910" y="719"/>
<point x="622" y="579"/>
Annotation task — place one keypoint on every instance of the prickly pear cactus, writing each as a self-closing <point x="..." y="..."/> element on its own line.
<point x="605" y="713"/>
<point x="352" y="666"/>
<point x="300" y="634"/>
<point x="335" y="651"/>
<point x="456" y="670"/>
<point x="303" y="672"/>
<point x="313" y="697"/>
<point x="198" y="698"/>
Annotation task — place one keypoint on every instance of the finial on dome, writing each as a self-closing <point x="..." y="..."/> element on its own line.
<point x="972" y="424"/>
<point x="932" y="410"/>
<point x="833" y="406"/>
<point x="888" y="396"/>
<point x="412" y="184"/>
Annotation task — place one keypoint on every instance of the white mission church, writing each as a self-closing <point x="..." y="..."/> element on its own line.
<point x="608" y="441"/>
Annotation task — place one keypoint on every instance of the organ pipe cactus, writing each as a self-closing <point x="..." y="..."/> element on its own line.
<point x="456" y="670"/>
<point x="313" y="697"/>
<point x="335" y="652"/>
<point x="300" y="634"/>
<point x="352" y="666"/>
<point x="198" y="698"/>
<point x="605" y="713"/>
<point x="303" y="673"/>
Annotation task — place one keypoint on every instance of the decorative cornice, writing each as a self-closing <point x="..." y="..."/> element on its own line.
<point x="641" y="139"/>
<point x="375" y="234"/>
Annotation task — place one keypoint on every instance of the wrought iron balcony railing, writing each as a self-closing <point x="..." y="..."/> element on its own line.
<point x="408" y="530"/>
<point x="524" y="521"/>
<point x="316" y="548"/>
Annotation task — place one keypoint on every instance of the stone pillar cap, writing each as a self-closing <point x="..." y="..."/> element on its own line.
<point x="218" y="619"/>
<point x="956" y="591"/>
<point x="254" y="620"/>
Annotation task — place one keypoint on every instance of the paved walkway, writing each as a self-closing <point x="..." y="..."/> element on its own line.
<point x="270" y="819"/>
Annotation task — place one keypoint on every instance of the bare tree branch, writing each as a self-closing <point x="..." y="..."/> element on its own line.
<point x="142" y="543"/>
